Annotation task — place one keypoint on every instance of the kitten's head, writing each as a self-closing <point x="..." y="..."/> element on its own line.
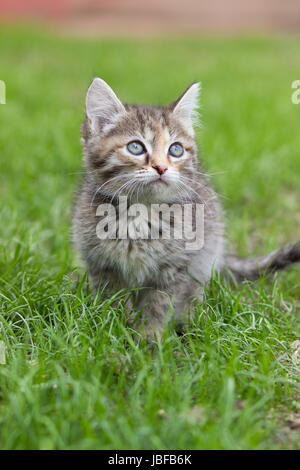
<point x="143" y="151"/>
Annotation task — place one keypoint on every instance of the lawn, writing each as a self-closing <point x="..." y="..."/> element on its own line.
<point x="71" y="375"/>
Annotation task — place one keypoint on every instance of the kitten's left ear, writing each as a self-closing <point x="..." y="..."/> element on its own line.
<point x="185" y="107"/>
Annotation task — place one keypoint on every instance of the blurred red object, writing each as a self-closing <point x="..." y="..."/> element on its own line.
<point x="141" y="17"/>
<point x="33" y="8"/>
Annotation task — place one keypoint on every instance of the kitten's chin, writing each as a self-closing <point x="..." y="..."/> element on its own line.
<point x="159" y="190"/>
<point x="159" y="183"/>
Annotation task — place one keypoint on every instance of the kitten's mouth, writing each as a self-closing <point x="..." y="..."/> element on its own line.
<point x="158" y="180"/>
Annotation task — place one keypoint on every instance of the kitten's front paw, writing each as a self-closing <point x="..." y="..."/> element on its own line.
<point x="151" y="333"/>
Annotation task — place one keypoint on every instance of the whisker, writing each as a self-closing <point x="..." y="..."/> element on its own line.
<point x="186" y="192"/>
<point x="191" y="189"/>
<point x="139" y="185"/>
<point x="211" y="174"/>
<point x="82" y="172"/>
<point x="177" y="184"/>
<point x="131" y="190"/>
<point x="106" y="182"/>
<point x="203" y="186"/>
<point x="120" y="189"/>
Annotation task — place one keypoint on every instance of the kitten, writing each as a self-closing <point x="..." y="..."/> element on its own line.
<point x="149" y="154"/>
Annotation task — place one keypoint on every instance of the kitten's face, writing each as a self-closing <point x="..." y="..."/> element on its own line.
<point x="143" y="152"/>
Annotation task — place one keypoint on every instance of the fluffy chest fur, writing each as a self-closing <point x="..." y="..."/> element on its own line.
<point x="134" y="261"/>
<point x="147" y="262"/>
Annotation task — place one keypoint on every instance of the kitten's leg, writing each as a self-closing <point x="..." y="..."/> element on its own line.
<point x="107" y="282"/>
<point x="156" y="308"/>
<point x="100" y="280"/>
<point x="186" y="298"/>
<point x="161" y="307"/>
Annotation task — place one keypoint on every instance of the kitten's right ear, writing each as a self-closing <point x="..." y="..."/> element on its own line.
<point x="102" y="105"/>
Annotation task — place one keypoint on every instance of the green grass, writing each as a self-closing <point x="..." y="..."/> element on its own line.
<point x="73" y="377"/>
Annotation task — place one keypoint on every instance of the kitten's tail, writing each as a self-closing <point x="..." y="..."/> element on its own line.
<point x="253" y="268"/>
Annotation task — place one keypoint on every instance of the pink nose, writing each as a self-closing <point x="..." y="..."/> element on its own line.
<point x="161" y="169"/>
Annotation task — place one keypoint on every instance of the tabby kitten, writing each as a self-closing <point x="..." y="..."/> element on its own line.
<point x="149" y="154"/>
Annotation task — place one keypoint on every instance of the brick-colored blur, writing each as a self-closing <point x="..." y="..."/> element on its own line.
<point x="144" y="17"/>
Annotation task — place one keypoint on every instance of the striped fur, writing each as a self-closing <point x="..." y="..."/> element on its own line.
<point x="168" y="276"/>
<point x="253" y="268"/>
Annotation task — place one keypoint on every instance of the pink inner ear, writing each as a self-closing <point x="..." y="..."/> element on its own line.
<point x="102" y="104"/>
<point x="185" y="107"/>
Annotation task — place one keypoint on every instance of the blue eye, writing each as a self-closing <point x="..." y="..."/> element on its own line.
<point x="136" y="148"/>
<point x="176" y="150"/>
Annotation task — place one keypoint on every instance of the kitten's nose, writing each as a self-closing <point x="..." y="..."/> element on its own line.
<point x="160" y="168"/>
